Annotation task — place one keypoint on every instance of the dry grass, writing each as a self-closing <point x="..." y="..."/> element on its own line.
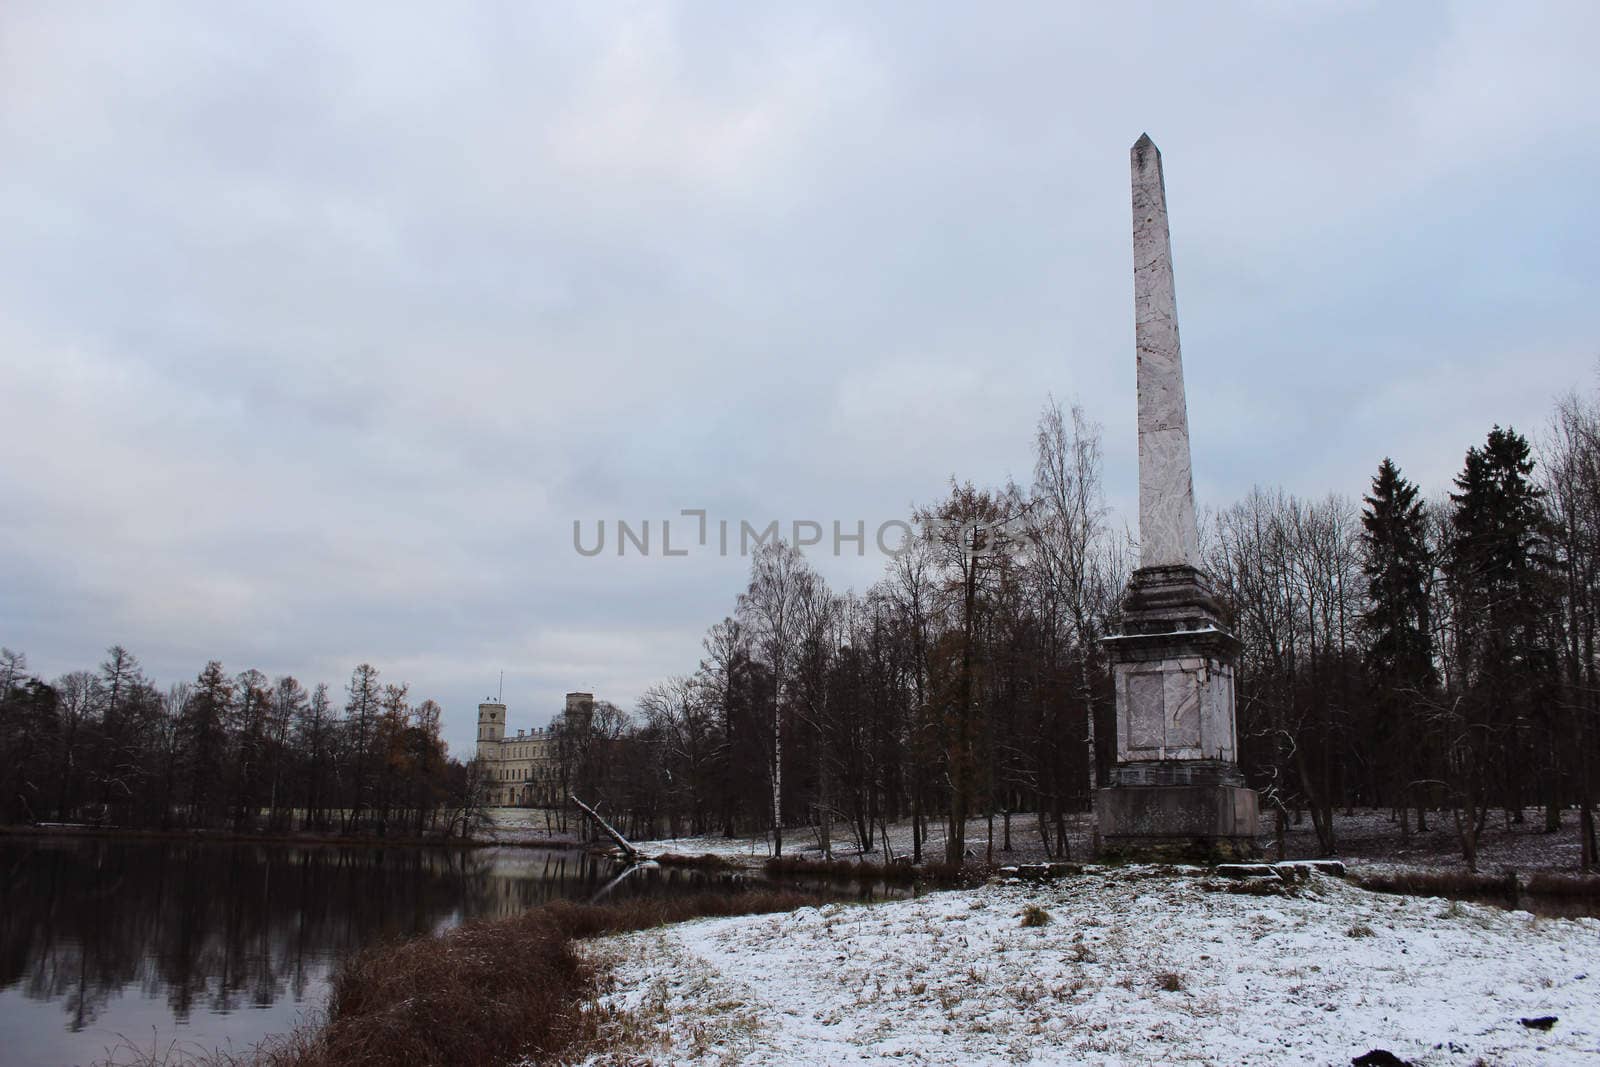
<point x="283" y="1051"/>
<point x="1438" y="883"/>
<point x="1169" y="982"/>
<point x="499" y="989"/>
<point x="486" y="992"/>
<point x="1033" y="915"/>
<point x="1576" y="886"/>
<point x="1494" y="886"/>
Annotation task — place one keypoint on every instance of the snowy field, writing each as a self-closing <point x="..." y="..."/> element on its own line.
<point x="524" y="826"/>
<point x="1134" y="966"/>
<point x="805" y="841"/>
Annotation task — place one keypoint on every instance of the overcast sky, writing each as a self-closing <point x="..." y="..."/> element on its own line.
<point x="320" y="326"/>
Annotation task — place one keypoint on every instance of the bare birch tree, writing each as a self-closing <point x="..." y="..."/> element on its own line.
<point x="780" y="582"/>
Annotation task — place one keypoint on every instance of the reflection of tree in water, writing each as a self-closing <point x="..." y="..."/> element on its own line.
<point x="217" y="928"/>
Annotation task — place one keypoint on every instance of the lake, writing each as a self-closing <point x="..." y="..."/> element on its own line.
<point x="104" y="941"/>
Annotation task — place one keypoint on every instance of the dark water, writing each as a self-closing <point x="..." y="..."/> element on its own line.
<point x="104" y="942"/>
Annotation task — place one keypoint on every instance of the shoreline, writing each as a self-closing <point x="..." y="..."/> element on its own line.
<point x="285" y="838"/>
<point x="610" y="992"/>
<point x="423" y="1000"/>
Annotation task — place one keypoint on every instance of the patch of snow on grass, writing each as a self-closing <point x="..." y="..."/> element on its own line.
<point x="805" y="841"/>
<point x="1365" y="837"/>
<point x="1136" y="966"/>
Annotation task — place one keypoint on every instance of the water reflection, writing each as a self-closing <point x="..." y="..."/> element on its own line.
<point x="217" y="944"/>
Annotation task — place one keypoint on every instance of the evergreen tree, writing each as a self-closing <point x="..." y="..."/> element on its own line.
<point x="1500" y="572"/>
<point x="1397" y="564"/>
<point x="1499" y="559"/>
<point x="1400" y="656"/>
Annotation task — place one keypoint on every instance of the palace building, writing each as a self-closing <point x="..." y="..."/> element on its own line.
<point x="522" y="770"/>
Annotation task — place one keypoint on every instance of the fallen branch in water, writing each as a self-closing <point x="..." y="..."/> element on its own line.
<point x="623" y="843"/>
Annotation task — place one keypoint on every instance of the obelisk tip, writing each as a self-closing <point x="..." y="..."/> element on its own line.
<point x="1143" y="152"/>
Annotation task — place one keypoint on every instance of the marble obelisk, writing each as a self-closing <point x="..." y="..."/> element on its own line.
<point x="1168" y="535"/>
<point x="1175" y="791"/>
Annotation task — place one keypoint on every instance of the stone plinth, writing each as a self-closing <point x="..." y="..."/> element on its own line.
<point x="1173" y="670"/>
<point x="1175" y="792"/>
<point x="1194" y="823"/>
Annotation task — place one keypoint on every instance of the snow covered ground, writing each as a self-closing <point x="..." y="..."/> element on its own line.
<point x="1134" y="966"/>
<point x="1364" y="837"/>
<point x="524" y="826"/>
<point x="804" y="841"/>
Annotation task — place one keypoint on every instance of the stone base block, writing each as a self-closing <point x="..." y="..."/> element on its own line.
<point x="1176" y="823"/>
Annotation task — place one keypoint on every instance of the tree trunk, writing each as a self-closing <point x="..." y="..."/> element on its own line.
<point x="633" y="854"/>
<point x="777" y="771"/>
<point x="825" y="795"/>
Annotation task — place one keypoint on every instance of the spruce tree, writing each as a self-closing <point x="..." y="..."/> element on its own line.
<point x="1400" y="656"/>
<point x="1500" y="573"/>
<point x="1398" y="561"/>
<point x="1500" y="557"/>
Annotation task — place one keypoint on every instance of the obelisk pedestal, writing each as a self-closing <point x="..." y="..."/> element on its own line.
<point x="1175" y="791"/>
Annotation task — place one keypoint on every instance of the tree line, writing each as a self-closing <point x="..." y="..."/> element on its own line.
<point x="225" y="752"/>
<point x="1433" y="656"/>
<point x="968" y="681"/>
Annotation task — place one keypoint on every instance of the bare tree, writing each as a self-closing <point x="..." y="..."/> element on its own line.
<point x="911" y="589"/>
<point x="679" y="711"/>
<point x="724" y="680"/>
<point x="361" y="724"/>
<point x="819" y="620"/>
<point x="77" y="694"/>
<point x="1290" y="572"/>
<point x="972" y="543"/>
<point x="1571" y="480"/>
<point x="1067" y="534"/>
<point x="780" y="582"/>
<point x="288" y="707"/>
